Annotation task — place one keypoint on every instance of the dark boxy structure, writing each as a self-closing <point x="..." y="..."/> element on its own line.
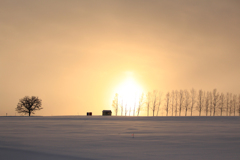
<point x="106" y="112"/>
<point x="89" y="113"/>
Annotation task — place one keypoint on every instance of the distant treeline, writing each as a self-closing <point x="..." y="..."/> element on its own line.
<point x="180" y="103"/>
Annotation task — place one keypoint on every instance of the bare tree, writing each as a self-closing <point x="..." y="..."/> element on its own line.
<point x="159" y="102"/>
<point x="234" y="103"/>
<point x="115" y="103"/>
<point x="154" y="101"/>
<point x="126" y="110"/>
<point x="135" y="103"/>
<point x="28" y="105"/>
<point x="207" y="101"/>
<point x="176" y="101"/>
<point x="230" y="104"/>
<point x="227" y="103"/>
<point x="210" y="103"/>
<point x="239" y="105"/>
<point x="172" y="100"/>
<point x="221" y="105"/>
<point x="140" y="103"/>
<point x="122" y="106"/>
<point x="181" y="101"/>
<point x="215" y="100"/>
<point x="193" y="99"/>
<point x="187" y="101"/>
<point x="130" y="110"/>
<point x="149" y="95"/>
<point x="200" y="101"/>
<point x="167" y="100"/>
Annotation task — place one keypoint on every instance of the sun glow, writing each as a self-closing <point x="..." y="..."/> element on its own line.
<point x="129" y="93"/>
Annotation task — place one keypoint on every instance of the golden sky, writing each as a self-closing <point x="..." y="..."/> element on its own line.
<point x="74" y="54"/>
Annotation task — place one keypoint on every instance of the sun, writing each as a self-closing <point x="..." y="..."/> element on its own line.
<point x="129" y="87"/>
<point x="129" y="92"/>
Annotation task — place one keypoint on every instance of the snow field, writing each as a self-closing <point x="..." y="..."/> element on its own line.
<point x="97" y="137"/>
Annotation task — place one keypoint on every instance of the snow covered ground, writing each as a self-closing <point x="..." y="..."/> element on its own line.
<point x="97" y="137"/>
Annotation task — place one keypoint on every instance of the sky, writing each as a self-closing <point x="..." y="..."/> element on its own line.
<point x="75" y="54"/>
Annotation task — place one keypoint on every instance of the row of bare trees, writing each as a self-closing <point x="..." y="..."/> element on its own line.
<point x="182" y="102"/>
<point x="125" y="108"/>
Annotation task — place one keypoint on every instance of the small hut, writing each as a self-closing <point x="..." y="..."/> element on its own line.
<point x="106" y="112"/>
<point x="89" y="113"/>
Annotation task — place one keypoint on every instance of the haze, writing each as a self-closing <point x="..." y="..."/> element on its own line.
<point x="74" y="54"/>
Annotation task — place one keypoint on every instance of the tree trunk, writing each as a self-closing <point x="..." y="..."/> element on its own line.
<point x="29" y="113"/>
<point x="180" y="110"/>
